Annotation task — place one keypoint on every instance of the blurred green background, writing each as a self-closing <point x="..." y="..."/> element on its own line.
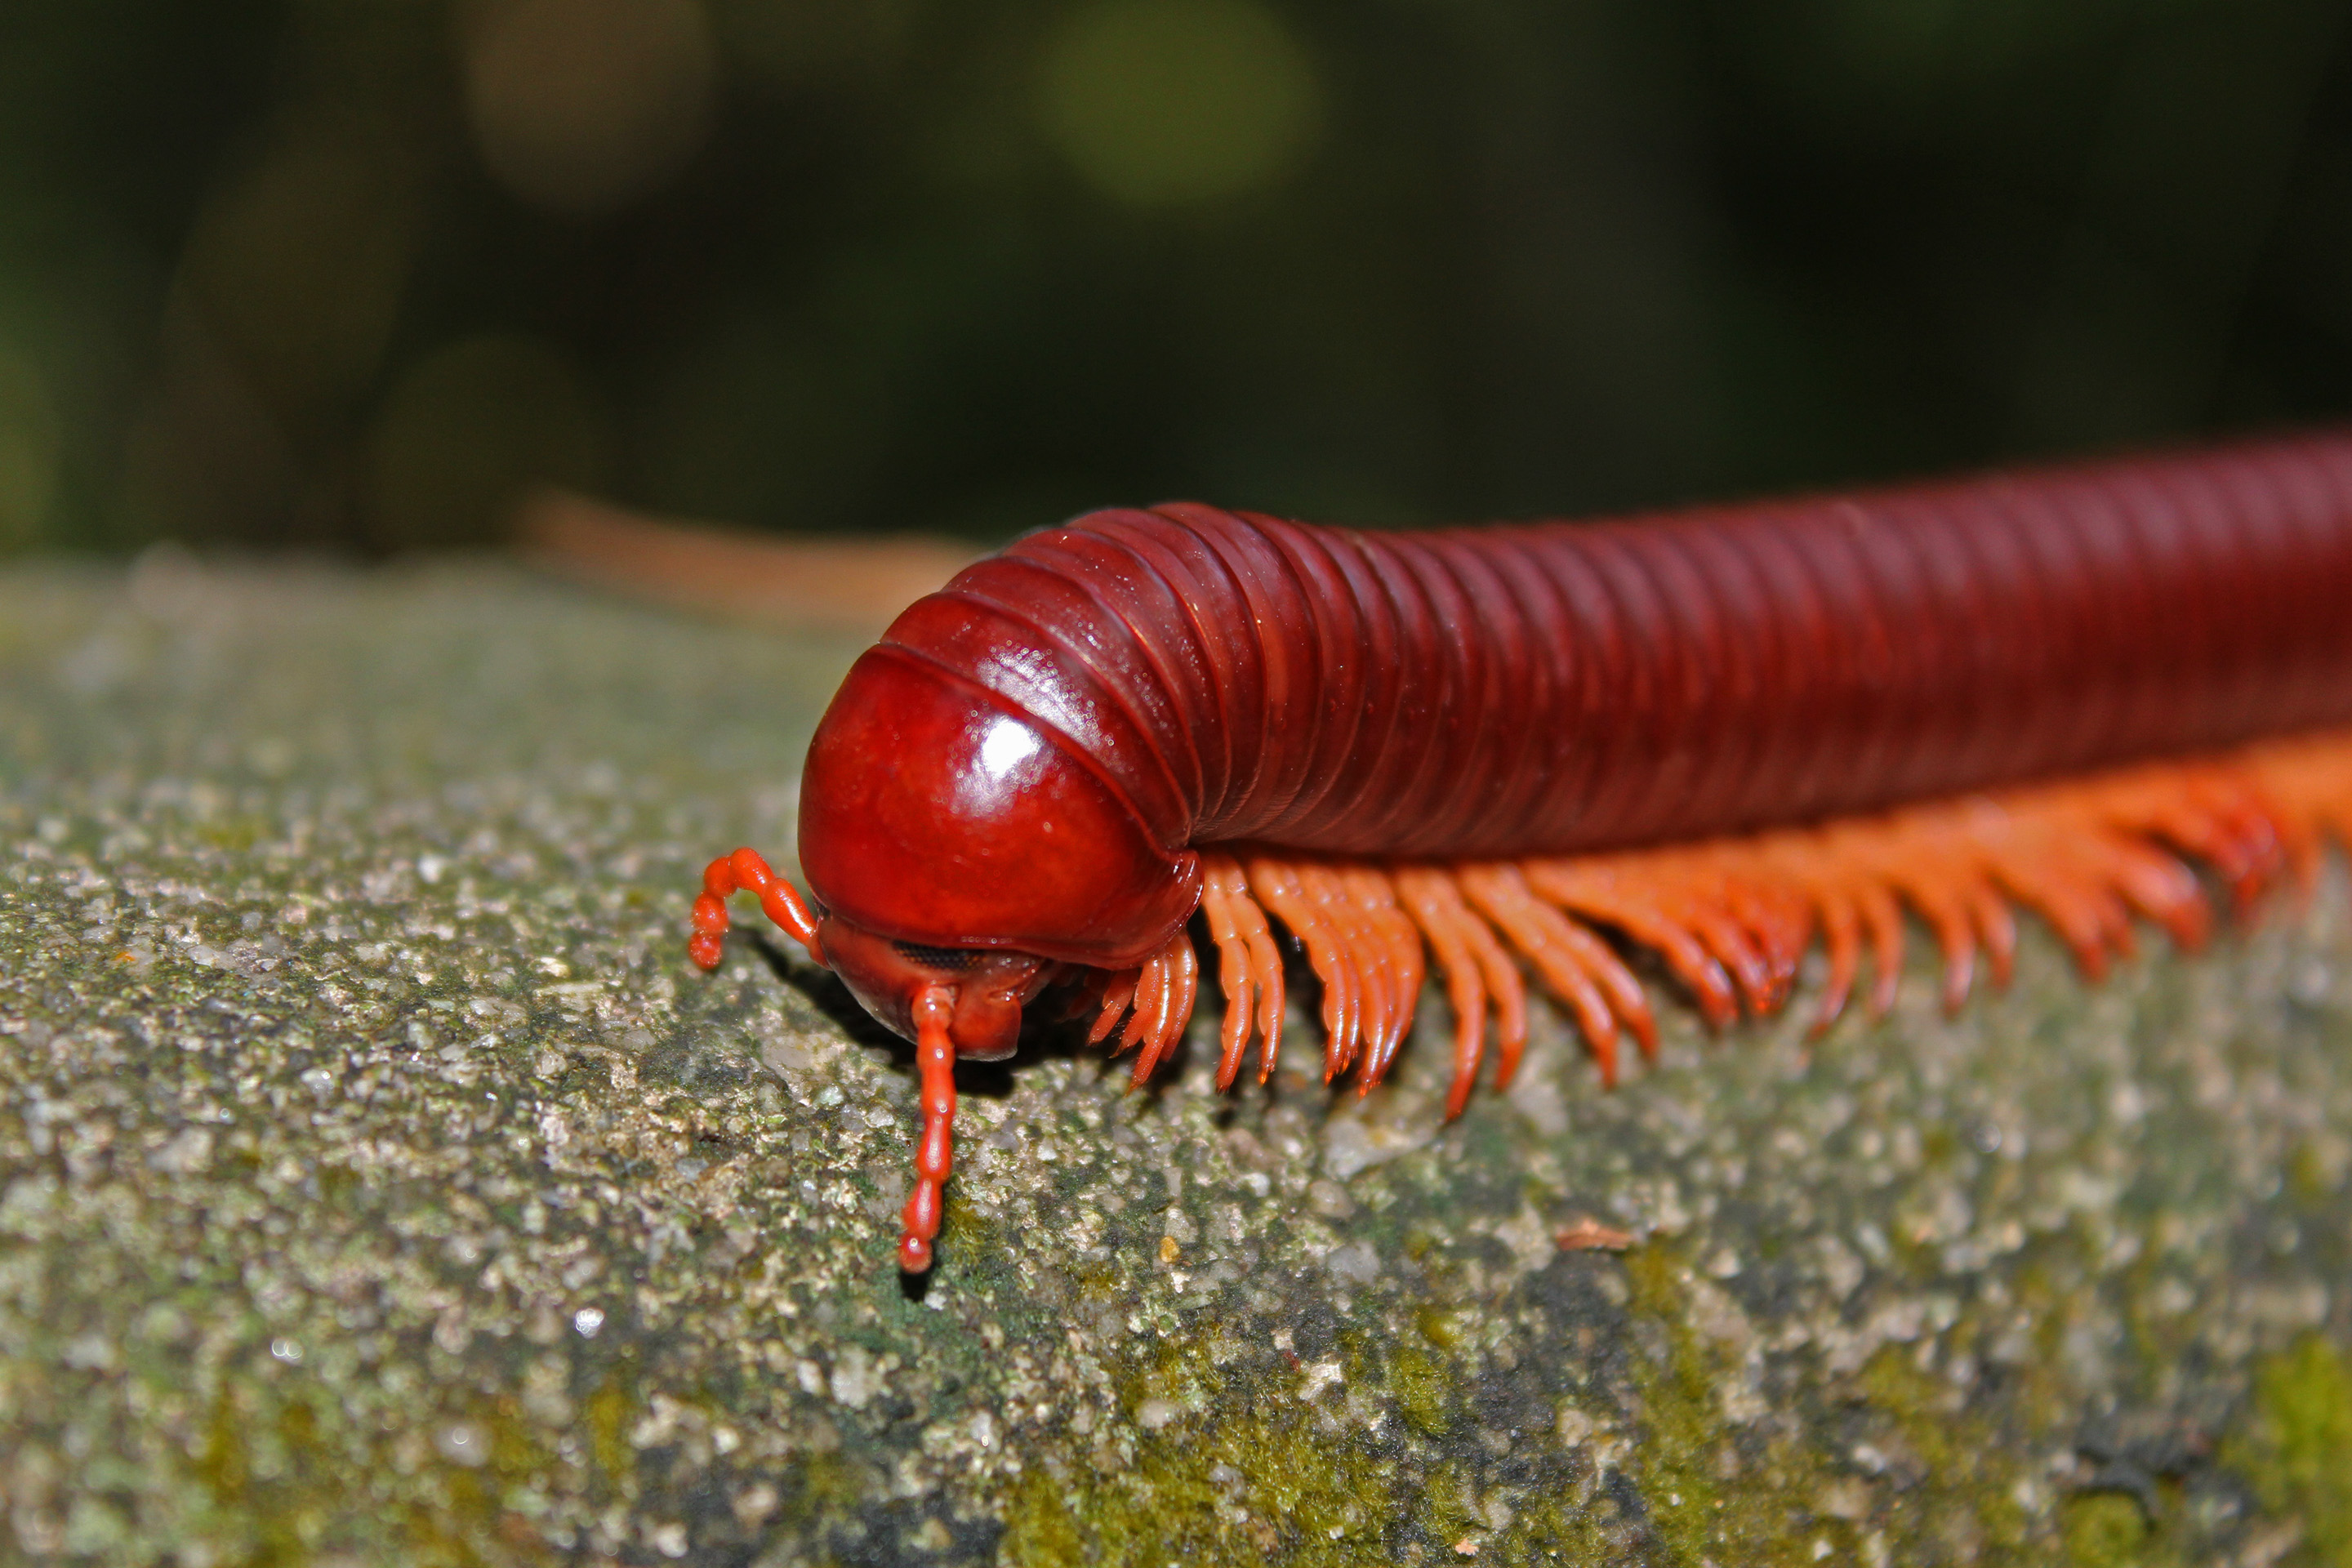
<point x="346" y="273"/>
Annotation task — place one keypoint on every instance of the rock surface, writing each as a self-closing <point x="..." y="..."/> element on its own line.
<point x="378" y="1184"/>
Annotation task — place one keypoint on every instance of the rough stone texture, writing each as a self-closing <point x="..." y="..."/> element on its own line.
<point x="378" y="1184"/>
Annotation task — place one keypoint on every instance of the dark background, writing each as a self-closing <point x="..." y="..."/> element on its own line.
<point x="346" y="273"/>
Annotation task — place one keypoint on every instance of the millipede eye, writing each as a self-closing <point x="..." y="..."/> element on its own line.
<point x="952" y="958"/>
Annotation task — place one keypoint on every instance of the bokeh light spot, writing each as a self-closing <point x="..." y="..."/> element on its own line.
<point x="467" y="430"/>
<point x="1161" y="102"/>
<point x="582" y="106"/>
<point x="29" y="437"/>
<point x="299" y="265"/>
<point x="796" y="44"/>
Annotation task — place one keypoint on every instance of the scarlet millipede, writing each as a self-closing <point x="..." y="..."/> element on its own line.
<point x="1720" y="735"/>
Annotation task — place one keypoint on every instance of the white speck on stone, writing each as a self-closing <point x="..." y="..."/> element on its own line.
<point x="1329" y="1199"/>
<point x="1536" y="1095"/>
<point x="1317" y="1376"/>
<point x="1351" y="1143"/>
<point x="670" y="1539"/>
<point x="855" y="1379"/>
<point x="1533" y="1243"/>
<point x="1847" y="1498"/>
<point x="1154" y="1414"/>
<point x="1667" y="1217"/>
<point x="93" y="1351"/>
<point x="576" y="995"/>
<point x="1574" y="1427"/>
<point x="786" y="1058"/>
<point x="1356" y="1262"/>
<point x="1840" y="1267"/>
<point x="186" y="1154"/>
<point x="587" y="1321"/>
<point x="753" y="1504"/>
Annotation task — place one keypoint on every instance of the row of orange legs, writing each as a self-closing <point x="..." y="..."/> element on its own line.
<point x="1732" y="917"/>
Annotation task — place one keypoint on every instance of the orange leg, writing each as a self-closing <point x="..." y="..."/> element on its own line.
<point x="1119" y="995"/>
<point x="1551" y="944"/>
<point x="1624" y="892"/>
<point x="1401" y="943"/>
<point x="1163" y="1005"/>
<point x="745" y="871"/>
<point x="935" y="1155"/>
<point x="1435" y="903"/>
<point x="1155" y="1000"/>
<point x="1234" y="962"/>
<point x="1249" y="966"/>
<point x="1276" y="886"/>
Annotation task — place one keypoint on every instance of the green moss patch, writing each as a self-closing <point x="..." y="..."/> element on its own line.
<point x="2297" y="1452"/>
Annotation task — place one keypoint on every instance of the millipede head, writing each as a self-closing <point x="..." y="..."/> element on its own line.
<point x="934" y="813"/>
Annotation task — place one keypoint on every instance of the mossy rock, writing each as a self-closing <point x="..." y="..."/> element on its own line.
<point x="378" y="1184"/>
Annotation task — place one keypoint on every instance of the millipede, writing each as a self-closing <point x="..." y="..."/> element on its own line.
<point x="1720" y="736"/>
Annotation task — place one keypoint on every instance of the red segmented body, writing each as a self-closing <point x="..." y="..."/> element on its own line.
<point x="1500" y="691"/>
<point x="1035" y="767"/>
